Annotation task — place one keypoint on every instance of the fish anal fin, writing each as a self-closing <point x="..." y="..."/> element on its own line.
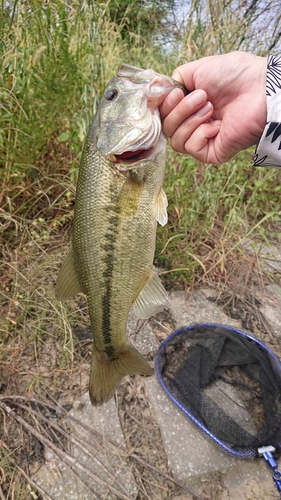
<point x="106" y="373"/>
<point x="129" y="197"/>
<point x="152" y="299"/>
<point x="67" y="284"/>
<point x="161" y="208"/>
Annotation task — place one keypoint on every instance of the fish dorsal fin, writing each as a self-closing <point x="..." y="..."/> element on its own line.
<point x="161" y="208"/>
<point x="152" y="299"/>
<point x="67" y="284"/>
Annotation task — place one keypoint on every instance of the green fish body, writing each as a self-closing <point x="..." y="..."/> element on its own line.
<point x="119" y="200"/>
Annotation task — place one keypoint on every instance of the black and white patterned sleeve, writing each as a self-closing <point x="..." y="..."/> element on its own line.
<point x="268" y="152"/>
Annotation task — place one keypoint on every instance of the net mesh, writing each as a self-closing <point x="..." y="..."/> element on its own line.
<point x="227" y="382"/>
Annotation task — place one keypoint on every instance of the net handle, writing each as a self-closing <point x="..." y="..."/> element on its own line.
<point x="266" y="452"/>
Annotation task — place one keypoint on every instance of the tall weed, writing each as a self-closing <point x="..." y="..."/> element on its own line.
<point x="56" y="57"/>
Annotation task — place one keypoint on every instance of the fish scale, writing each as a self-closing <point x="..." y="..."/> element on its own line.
<point x="118" y="203"/>
<point x="116" y="247"/>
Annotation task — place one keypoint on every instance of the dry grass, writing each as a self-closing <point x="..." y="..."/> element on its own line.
<point x="46" y="422"/>
<point x="56" y="60"/>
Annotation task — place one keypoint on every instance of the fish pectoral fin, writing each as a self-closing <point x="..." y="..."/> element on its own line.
<point x="161" y="208"/>
<point x="129" y="197"/>
<point x="107" y="373"/>
<point x="152" y="299"/>
<point x="67" y="284"/>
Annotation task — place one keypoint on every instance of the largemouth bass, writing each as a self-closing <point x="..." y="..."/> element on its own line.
<point x="119" y="200"/>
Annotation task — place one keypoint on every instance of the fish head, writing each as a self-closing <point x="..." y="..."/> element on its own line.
<point x="127" y="125"/>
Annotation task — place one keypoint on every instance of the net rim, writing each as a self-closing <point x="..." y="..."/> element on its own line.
<point x="241" y="454"/>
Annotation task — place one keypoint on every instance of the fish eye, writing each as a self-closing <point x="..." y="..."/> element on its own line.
<point x="111" y="94"/>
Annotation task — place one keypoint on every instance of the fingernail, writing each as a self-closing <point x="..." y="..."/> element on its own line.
<point x="174" y="97"/>
<point x="203" y="111"/>
<point x="197" y="97"/>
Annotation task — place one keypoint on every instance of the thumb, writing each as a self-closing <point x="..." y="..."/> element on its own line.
<point x="177" y="76"/>
<point x="185" y="74"/>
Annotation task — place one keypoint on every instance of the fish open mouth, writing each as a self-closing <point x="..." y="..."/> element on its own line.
<point x="132" y="156"/>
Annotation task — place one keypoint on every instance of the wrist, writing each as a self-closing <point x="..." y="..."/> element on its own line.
<point x="260" y="95"/>
<point x="263" y="79"/>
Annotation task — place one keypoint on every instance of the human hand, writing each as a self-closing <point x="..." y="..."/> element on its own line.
<point x="225" y="111"/>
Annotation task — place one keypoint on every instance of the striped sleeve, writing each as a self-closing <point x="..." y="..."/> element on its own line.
<point x="268" y="152"/>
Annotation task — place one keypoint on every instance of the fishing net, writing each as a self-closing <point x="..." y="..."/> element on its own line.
<point x="228" y="383"/>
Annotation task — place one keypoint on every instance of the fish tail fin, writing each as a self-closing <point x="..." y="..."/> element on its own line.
<point x="107" y="373"/>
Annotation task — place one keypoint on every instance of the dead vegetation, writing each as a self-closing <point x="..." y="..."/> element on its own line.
<point x="45" y="369"/>
<point x="48" y="428"/>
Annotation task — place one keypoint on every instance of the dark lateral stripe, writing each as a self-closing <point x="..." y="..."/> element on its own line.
<point x="109" y="260"/>
<point x="109" y="350"/>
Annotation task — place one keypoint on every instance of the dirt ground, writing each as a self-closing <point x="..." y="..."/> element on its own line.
<point x="44" y="376"/>
<point x="27" y="386"/>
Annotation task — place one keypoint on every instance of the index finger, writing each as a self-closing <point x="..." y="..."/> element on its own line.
<point x="171" y="101"/>
<point x="180" y="112"/>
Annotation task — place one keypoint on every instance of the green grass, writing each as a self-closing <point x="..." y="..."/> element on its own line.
<point x="212" y="209"/>
<point x="56" y="57"/>
<point x="55" y="62"/>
